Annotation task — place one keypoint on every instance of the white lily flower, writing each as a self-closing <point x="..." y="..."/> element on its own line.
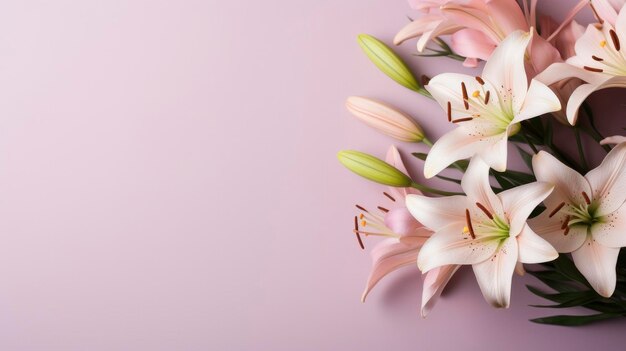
<point x="599" y="61"/>
<point x="586" y="215"/>
<point x="487" y="109"/>
<point x="482" y="229"/>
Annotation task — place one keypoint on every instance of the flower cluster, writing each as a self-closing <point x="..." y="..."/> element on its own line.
<point x="560" y="208"/>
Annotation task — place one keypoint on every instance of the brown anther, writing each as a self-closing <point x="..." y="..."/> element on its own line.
<point x="593" y="69"/>
<point x="557" y="209"/>
<point x="565" y="222"/>
<point x="389" y="196"/>
<point x="484" y="209"/>
<point x="464" y="119"/>
<point x="599" y="59"/>
<point x="487" y="97"/>
<point x="480" y="80"/>
<point x="356" y="232"/>
<point x="425" y="79"/>
<point x="449" y="111"/>
<point x="361" y="208"/>
<point x="587" y="199"/>
<point x="465" y="96"/>
<point x="468" y="220"/>
<point x="383" y="209"/>
<point x="595" y="13"/>
<point x="566" y="231"/>
<point x="615" y="39"/>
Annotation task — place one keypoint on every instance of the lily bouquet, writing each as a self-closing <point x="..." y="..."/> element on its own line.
<point x="562" y="215"/>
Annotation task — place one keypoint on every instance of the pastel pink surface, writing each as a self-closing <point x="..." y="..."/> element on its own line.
<point x="168" y="181"/>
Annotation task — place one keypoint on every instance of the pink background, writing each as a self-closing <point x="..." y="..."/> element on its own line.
<point x="168" y="181"/>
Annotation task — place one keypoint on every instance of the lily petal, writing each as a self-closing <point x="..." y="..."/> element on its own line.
<point x="434" y="283"/>
<point x="472" y="43"/>
<point x="597" y="263"/>
<point x="437" y="212"/>
<point x="400" y="221"/>
<point x="475" y="184"/>
<point x="608" y="181"/>
<point x="582" y="92"/>
<point x="506" y="68"/>
<point x="494" y="275"/>
<point x="552" y="230"/>
<point x="568" y="184"/>
<point x="388" y="256"/>
<point x="450" y="245"/>
<point x="611" y="231"/>
<point x="393" y="158"/>
<point x="519" y="203"/>
<point x="615" y="139"/>
<point x="539" y="100"/>
<point x="534" y="249"/>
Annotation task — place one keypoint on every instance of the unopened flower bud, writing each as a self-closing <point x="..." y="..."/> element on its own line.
<point x="374" y="169"/>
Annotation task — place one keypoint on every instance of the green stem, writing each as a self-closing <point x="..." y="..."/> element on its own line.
<point x="593" y="132"/>
<point x="530" y="143"/>
<point x="427" y="142"/>
<point x="581" y="152"/>
<point x="428" y="189"/>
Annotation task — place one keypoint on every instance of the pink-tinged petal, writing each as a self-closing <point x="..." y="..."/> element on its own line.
<point x="443" y="28"/>
<point x="605" y="10"/>
<point x="506" y="66"/>
<point x="519" y="203"/>
<point x="553" y="231"/>
<point x="534" y="249"/>
<point x="434" y="283"/>
<point x="608" y="181"/>
<point x="615" y="139"/>
<point x="475" y="184"/>
<point x="475" y="16"/>
<point x="519" y="269"/>
<point x="388" y="256"/>
<point x="539" y="100"/>
<point x="417" y="27"/>
<point x="400" y="221"/>
<point x="568" y="184"/>
<point x="393" y="158"/>
<point x="446" y="87"/>
<point x="472" y="43"/>
<point x="470" y="62"/>
<point x="566" y="39"/>
<point x="620" y="24"/>
<point x="385" y="118"/>
<point x="437" y="212"/>
<point x="507" y="14"/>
<point x="458" y="144"/>
<point x="496" y="154"/>
<point x="495" y="274"/>
<point x="542" y="55"/>
<point x="450" y="245"/>
<point x="611" y="231"/>
<point x="560" y="71"/>
<point x="597" y="263"/>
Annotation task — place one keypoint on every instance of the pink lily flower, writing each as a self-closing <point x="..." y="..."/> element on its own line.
<point x="586" y="215"/>
<point x="487" y="109"/>
<point x="599" y="61"/>
<point x="405" y="236"/>
<point x="482" y="229"/>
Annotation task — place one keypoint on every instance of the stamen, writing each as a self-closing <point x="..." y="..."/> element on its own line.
<point x="566" y="231"/>
<point x="363" y="223"/>
<point x="484" y="209"/>
<point x="389" y="196"/>
<point x="465" y="97"/>
<point x="487" y="97"/>
<point x="468" y="220"/>
<point x="383" y="209"/>
<point x="476" y="93"/>
<point x="557" y="209"/>
<point x="356" y="232"/>
<point x="595" y="13"/>
<point x="566" y="222"/>
<point x="599" y="59"/>
<point x="425" y="80"/>
<point x="449" y="111"/>
<point x="464" y="119"/>
<point x="587" y="200"/>
<point x="615" y="39"/>
<point x="361" y="208"/>
<point x="592" y="69"/>
<point x="480" y="80"/>
<point x="603" y="43"/>
<point x="361" y="216"/>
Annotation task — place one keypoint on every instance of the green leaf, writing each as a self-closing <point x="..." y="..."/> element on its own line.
<point x="565" y="266"/>
<point x="567" y="299"/>
<point x="526" y="156"/>
<point x="574" y="320"/>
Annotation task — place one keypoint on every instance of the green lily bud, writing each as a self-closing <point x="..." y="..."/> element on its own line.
<point x="389" y="62"/>
<point x="374" y="169"/>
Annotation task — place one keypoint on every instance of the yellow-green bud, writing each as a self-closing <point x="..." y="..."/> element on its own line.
<point x="388" y="62"/>
<point x="374" y="169"/>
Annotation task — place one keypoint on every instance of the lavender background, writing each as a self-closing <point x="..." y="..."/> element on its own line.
<point x="168" y="181"/>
